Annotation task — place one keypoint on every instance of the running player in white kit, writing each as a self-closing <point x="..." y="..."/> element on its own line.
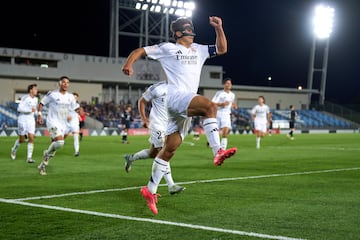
<point x="260" y="114"/>
<point x="60" y="103"/>
<point x="225" y="100"/>
<point x="182" y="63"/>
<point x="73" y="126"/>
<point x="26" y="122"/>
<point x="157" y="123"/>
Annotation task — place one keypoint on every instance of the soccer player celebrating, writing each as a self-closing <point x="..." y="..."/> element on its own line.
<point x="260" y="114"/>
<point x="60" y="103"/>
<point x="224" y="99"/>
<point x="182" y="63"/>
<point x="157" y="122"/>
<point x="26" y="122"/>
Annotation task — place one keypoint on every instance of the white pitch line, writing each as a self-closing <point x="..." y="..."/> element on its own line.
<point x="178" y="224"/>
<point x="317" y="148"/>
<point x="191" y="182"/>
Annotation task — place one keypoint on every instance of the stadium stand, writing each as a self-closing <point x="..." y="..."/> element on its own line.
<point x="306" y="118"/>
<point x="109" y="115"/>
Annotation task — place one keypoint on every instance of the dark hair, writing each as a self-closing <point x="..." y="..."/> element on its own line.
<point x="291" y="106"/>
<point x="64" y="77"/>
<point x="262" y="98"/>
<point x="227" y="79"/>
<point x="75" y="94"/>
<point x="31" y="86"/>
<point x="178" y="25"/>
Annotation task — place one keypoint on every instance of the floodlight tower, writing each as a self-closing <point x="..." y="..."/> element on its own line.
<point x="323" y="23"/>
<point x="148" y="20"/>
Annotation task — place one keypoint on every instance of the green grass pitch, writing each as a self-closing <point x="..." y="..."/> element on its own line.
<point x="308" y="188"/>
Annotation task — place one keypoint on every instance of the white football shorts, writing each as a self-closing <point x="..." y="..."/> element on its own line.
<point x="260" y="126"/>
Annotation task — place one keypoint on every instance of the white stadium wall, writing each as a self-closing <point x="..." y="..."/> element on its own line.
<point x="102" y="78"/>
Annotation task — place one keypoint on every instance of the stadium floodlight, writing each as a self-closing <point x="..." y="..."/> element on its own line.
<point x="189" y="5"/>
<point x="158" y="8"/>
<point x="323" y="24"/>
<point x="145" y="6"/>
<point x="172" y="7"/>
<point x="171" y="10"/>
<point x="180" y="4"/>
<point x="167" y="3"/>
<point x="323" y="21"/>
<point x="180" y="12"/>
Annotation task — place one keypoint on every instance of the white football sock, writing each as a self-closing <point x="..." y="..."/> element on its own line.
<point x="16" y="145"/>
<point x="224" y="142"/>
<point x="258" y="142"/>
<point x="159" y="168"/>
<point x="76" y="142"/>
<point x="168" y="178"/>
<point x="30" y="149"/>
<point x="55" y="146"/>
<point x="212" y="134"/>
<point x="141" y="155"/>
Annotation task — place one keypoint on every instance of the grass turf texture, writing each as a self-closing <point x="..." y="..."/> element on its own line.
<point x="313" y="206"/>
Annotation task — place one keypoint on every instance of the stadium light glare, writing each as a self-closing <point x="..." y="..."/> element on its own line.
<point x="173" y="7"/>
<point x="323" y="21"/>
<point x="158" y="8"/>
<point x="145" y="6"/>
<point x="180" y="12"/>
<point x="188" y="13"/>
<point x="189" y="5"/>
<point x="167" y="3"/>
<point x="180" y="4"/>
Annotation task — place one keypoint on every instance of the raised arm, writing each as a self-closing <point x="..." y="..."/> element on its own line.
<point x="221" y="42"/>
<point x="133" y="57"/>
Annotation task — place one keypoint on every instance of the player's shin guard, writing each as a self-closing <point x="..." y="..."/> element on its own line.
<point x="168" y="177"/>
<point x="55" y="146"/>
<point x="159" y="168"/>
<point x="212" y="133"/>
<point x="16" y="145"/>
<point x="143" y="154"/>
<point x="30" y="149"/>
<point x="76" y="142"/>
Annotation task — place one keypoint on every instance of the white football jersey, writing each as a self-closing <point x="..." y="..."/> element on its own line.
<point x="158" y="117"/>
<point x="27" y="103"/>
<point x="74" y="115"/>
<point x="182" y="65"/>
<point x="221" y="97"/>
<point x="261" y="113"/>
<point x="60" y="106"/>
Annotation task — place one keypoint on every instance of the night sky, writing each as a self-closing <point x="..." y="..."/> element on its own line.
<point x="265" y="37"/>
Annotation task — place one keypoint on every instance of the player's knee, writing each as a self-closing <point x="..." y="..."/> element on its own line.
<point x="59" y="144"/>
<point x="211" y="110"/>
